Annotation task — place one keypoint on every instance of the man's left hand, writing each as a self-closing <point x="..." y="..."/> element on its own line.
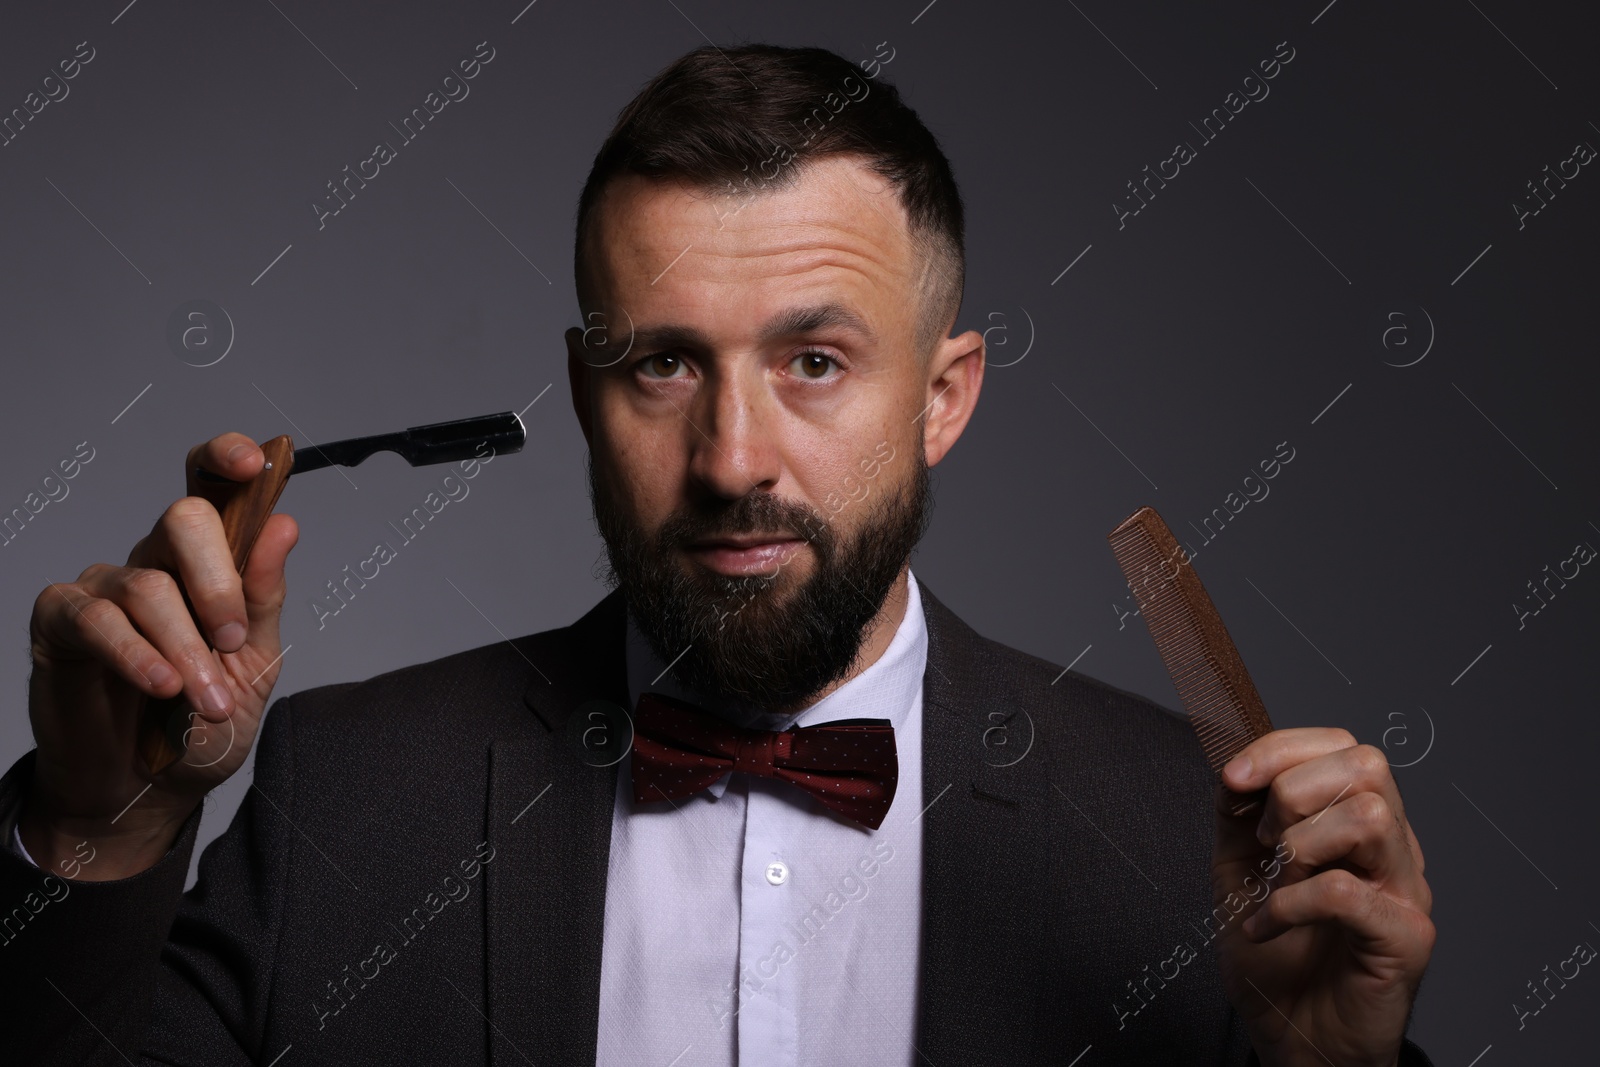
<point x="1322" y="905"/>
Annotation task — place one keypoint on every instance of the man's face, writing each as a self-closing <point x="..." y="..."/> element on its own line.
<point x="759" y="454"/>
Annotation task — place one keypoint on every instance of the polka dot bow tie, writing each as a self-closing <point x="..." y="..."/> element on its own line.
<point x="679" y="749"/>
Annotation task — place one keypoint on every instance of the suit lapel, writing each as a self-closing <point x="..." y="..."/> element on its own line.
<point x="549" y="822"/>
<point x="984" y="889"/>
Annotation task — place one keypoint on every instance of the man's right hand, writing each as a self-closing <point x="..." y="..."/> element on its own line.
<point x="105" y="643"/>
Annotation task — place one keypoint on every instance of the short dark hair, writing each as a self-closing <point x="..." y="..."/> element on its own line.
<point x="717" y="118"/>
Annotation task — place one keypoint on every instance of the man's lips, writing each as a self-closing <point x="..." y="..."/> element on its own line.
<point x="757" y="554"/>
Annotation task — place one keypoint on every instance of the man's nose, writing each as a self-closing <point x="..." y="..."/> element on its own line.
<point x="733" y="437"/>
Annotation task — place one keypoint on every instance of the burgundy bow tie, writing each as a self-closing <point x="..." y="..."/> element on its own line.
<point x="678" y="750"/>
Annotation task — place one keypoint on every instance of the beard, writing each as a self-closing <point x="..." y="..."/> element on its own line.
<point x="749" y="640"/>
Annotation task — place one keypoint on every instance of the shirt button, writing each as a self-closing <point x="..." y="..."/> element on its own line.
<point x="777" y="872"/>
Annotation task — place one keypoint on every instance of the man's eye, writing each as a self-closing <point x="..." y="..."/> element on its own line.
<point x="661" y="366"/>
<point x="814" y="365"/>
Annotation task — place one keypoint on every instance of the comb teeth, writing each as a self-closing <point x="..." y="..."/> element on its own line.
<point x="1216" y="690"/>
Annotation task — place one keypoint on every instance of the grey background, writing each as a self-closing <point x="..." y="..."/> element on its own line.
<point x="1372" y="589"/>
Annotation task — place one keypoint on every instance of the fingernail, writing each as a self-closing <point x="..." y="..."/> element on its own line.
<point x="159" y="674"/>
<point x="238" y="452"/>
<point x="1239" y="769"/>
<point x="229" y="636"/>
<point x="215" y="698"/>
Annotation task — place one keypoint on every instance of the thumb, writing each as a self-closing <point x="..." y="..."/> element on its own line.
<point x="263" y="580"/>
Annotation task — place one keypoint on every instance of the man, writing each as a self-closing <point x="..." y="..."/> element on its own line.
<point x="752" y="808"/>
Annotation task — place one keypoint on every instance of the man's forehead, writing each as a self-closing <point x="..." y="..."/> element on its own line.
<point x="836" y="237"/>
<point x="793" y="321"/>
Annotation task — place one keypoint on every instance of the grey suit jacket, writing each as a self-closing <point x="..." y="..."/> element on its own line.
<point x="417" y="875"/>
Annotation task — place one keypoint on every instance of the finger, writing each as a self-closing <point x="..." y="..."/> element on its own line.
<point x="1263" y="759"/>
<point x="264" y="584"/>
<point x="1260" y="761"/>
<point x="197" y="546"/>
<point x="1341" y="897"/>
<point x="153" y="602"/>
<point x="1360" y="830"/>
<point x="69" y="617"/>
<point x="1308" y="789"/>
<point x="232" y="455"/>
<point x="1252" y="769"/>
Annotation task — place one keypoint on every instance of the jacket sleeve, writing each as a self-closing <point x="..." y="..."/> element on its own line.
<point x="135" y="970"/>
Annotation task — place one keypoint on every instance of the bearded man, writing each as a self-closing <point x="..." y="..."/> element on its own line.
<point x="753" y="806"/>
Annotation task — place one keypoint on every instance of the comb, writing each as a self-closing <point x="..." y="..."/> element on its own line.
<point x="1223" y="705"/>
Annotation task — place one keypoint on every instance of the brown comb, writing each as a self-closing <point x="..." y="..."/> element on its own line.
<point x="1216" y="690"/>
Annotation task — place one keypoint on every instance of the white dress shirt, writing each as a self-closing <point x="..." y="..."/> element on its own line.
<point x="748" y="924"/>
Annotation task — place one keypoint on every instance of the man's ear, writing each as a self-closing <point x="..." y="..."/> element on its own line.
<point x="955" y="377"/>
<point x="578" y="380"/>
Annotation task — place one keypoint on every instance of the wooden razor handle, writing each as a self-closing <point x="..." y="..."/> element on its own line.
<point x="244" y="507"/>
